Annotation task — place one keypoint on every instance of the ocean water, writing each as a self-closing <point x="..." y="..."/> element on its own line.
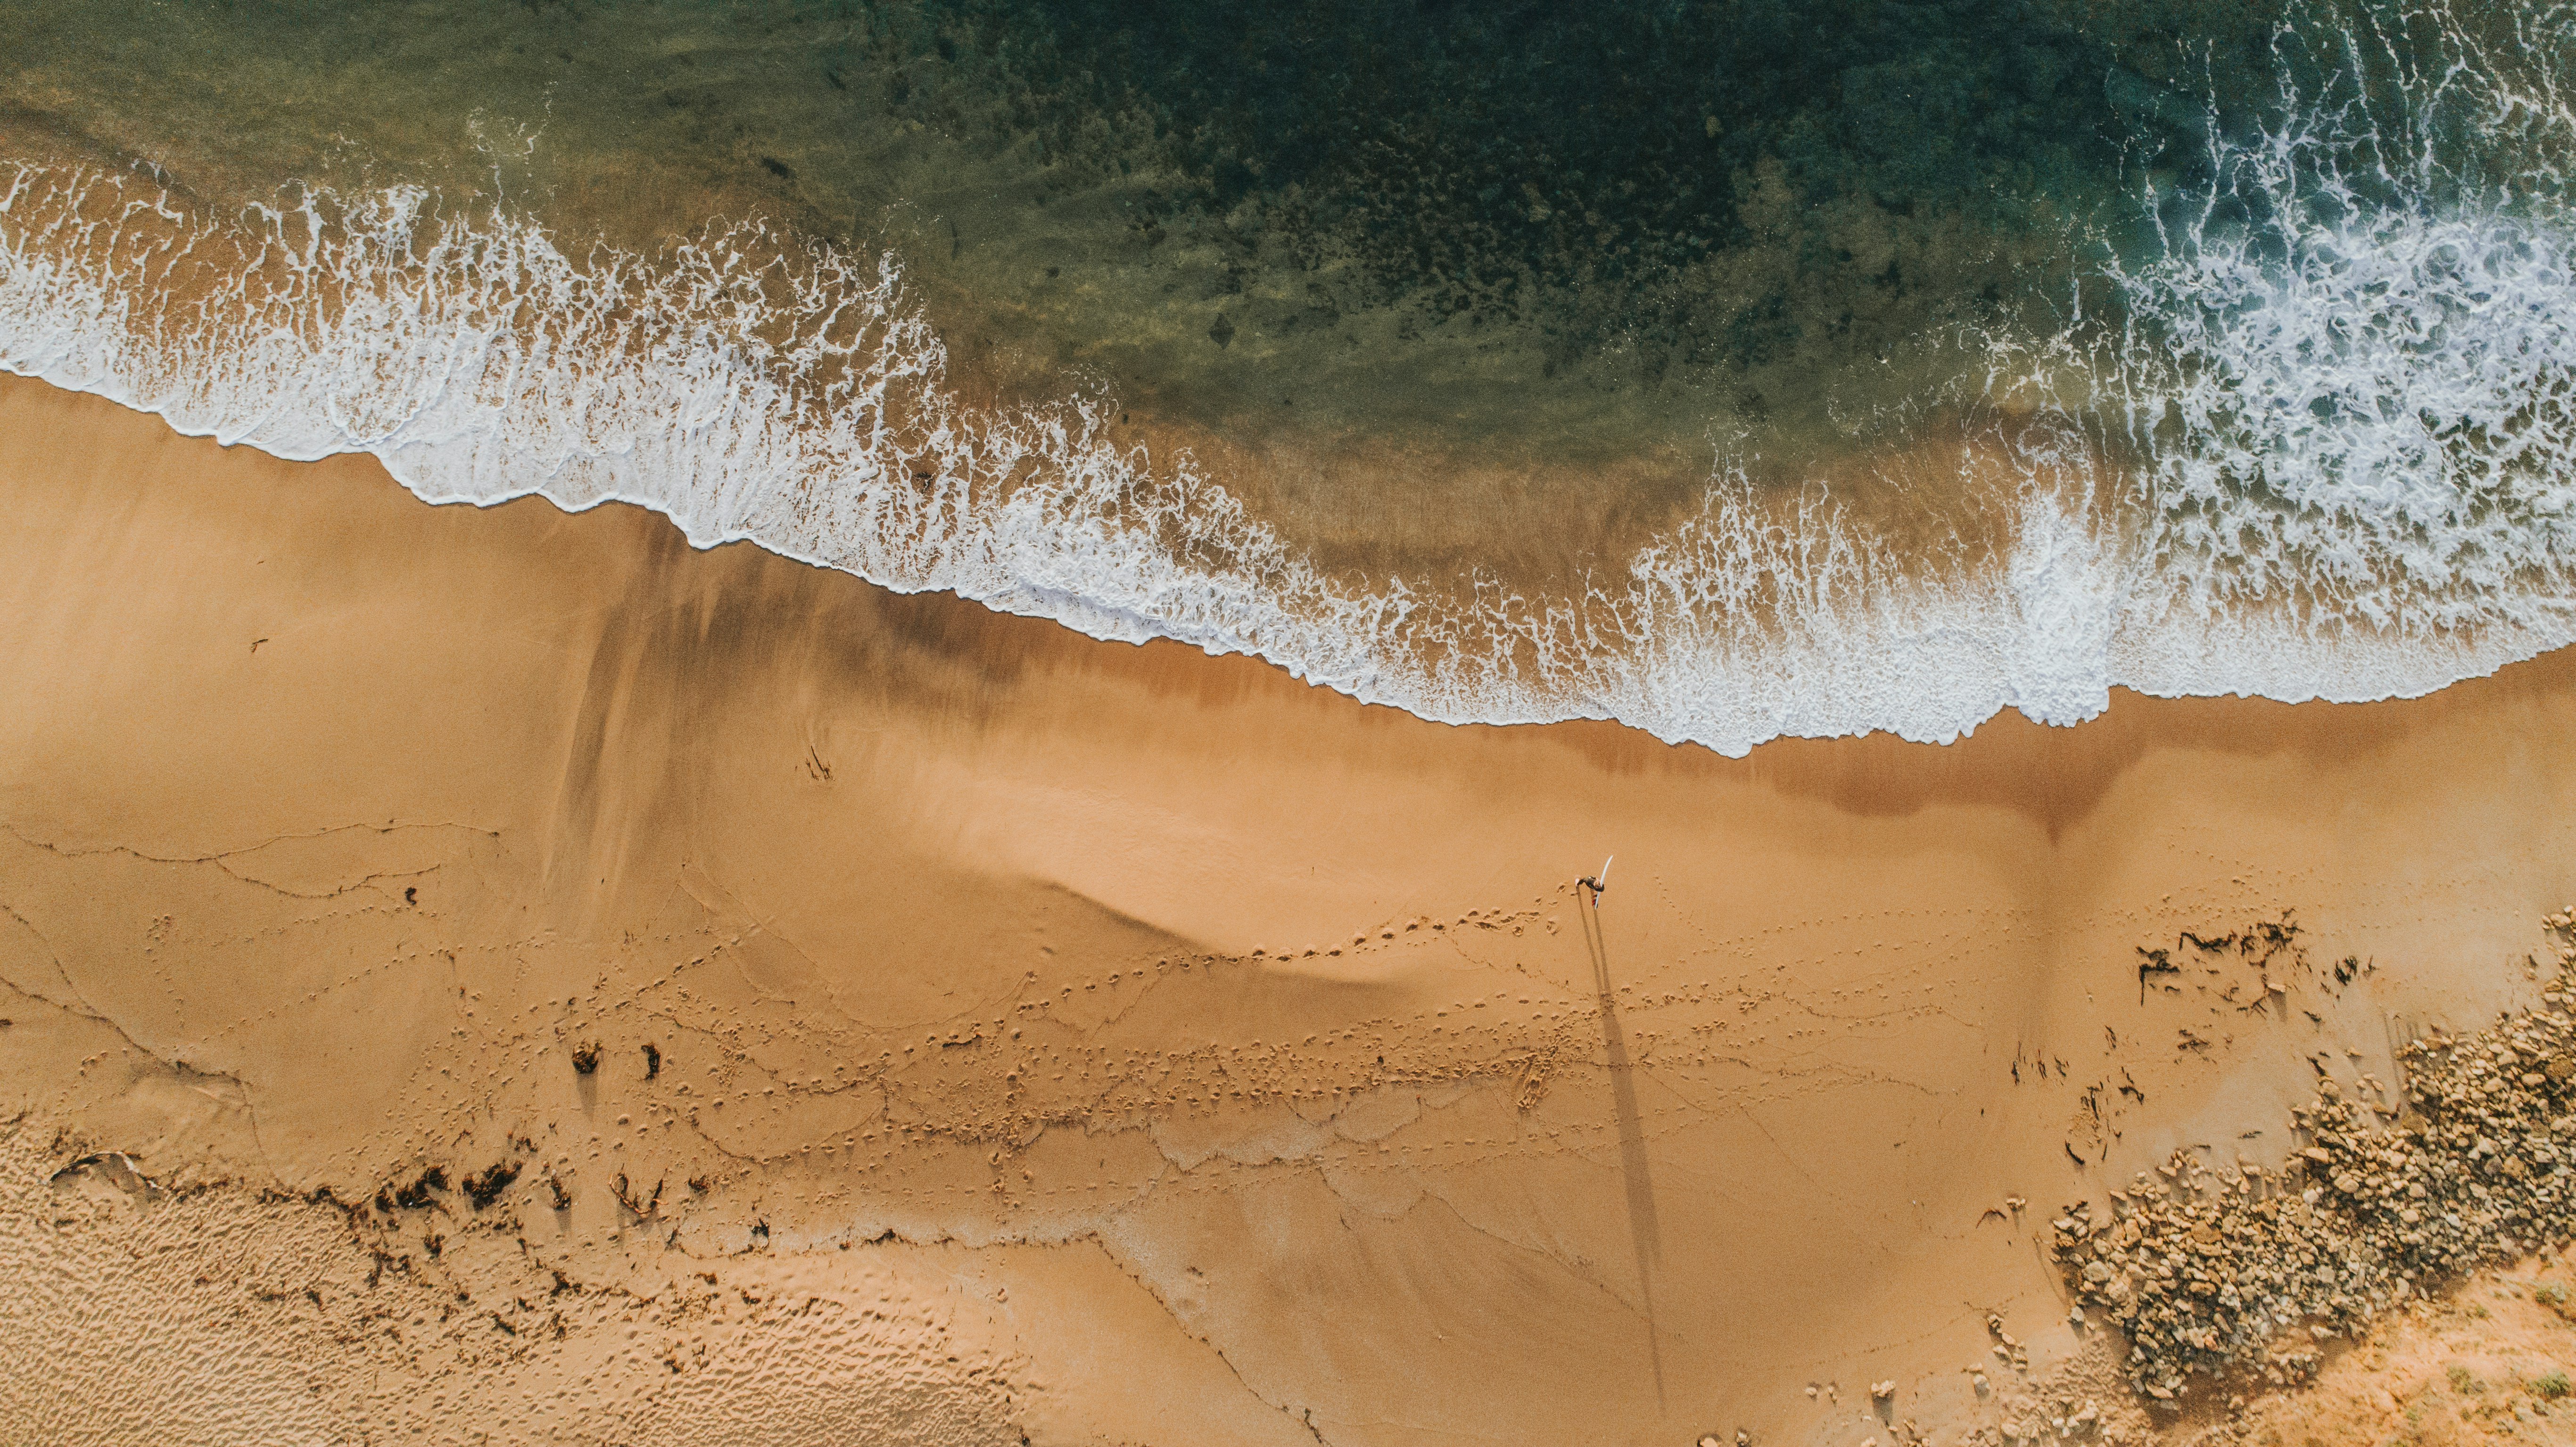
<point x="1728" y="368"/>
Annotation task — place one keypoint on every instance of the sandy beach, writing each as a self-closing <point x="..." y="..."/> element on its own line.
<point x="685" y="993"/>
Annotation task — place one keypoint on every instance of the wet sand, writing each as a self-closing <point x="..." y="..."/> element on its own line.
<point x="1161" y="1049"/>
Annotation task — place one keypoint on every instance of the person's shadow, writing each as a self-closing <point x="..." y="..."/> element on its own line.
<point x="1643" y="1230"/>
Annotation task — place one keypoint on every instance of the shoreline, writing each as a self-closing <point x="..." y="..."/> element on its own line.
<point x="2058" y="702"/>
<point x="947" y="922"/>
<point x="2023" y="592"/>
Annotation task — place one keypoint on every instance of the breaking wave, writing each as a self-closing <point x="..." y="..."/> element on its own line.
<point x="2318" y="443"/>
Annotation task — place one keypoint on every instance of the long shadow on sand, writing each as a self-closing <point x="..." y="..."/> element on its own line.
<point x="1643" y="1229"/>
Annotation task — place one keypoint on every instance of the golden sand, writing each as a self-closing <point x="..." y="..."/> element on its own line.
<point x="1081" y="1041"/>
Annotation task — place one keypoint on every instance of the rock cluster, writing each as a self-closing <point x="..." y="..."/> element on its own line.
<point x="2235" y="1271"/>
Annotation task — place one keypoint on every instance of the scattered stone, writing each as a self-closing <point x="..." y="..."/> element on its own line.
<point x="2212" y="1273"/>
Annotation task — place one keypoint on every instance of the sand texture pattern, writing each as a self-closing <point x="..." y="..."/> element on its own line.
<point x="496" y="975"/>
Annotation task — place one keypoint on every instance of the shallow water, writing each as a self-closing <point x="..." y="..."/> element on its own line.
<point x="1729" y="368"/>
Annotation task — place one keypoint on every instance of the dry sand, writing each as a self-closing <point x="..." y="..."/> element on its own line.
<point x="2491" y="1363"/>
<point x="1080" y="1042"/>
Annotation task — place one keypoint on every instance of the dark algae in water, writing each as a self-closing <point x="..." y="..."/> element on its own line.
<point x="1603" y="229"/>
<point x="1569" y="165"/>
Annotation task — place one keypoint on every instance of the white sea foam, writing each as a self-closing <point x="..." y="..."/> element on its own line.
<point x="2351" y="420"/>
<point x="2349" y="376"/>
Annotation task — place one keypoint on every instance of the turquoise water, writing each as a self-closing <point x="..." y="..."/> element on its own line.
<point x="1731" y="368"/>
